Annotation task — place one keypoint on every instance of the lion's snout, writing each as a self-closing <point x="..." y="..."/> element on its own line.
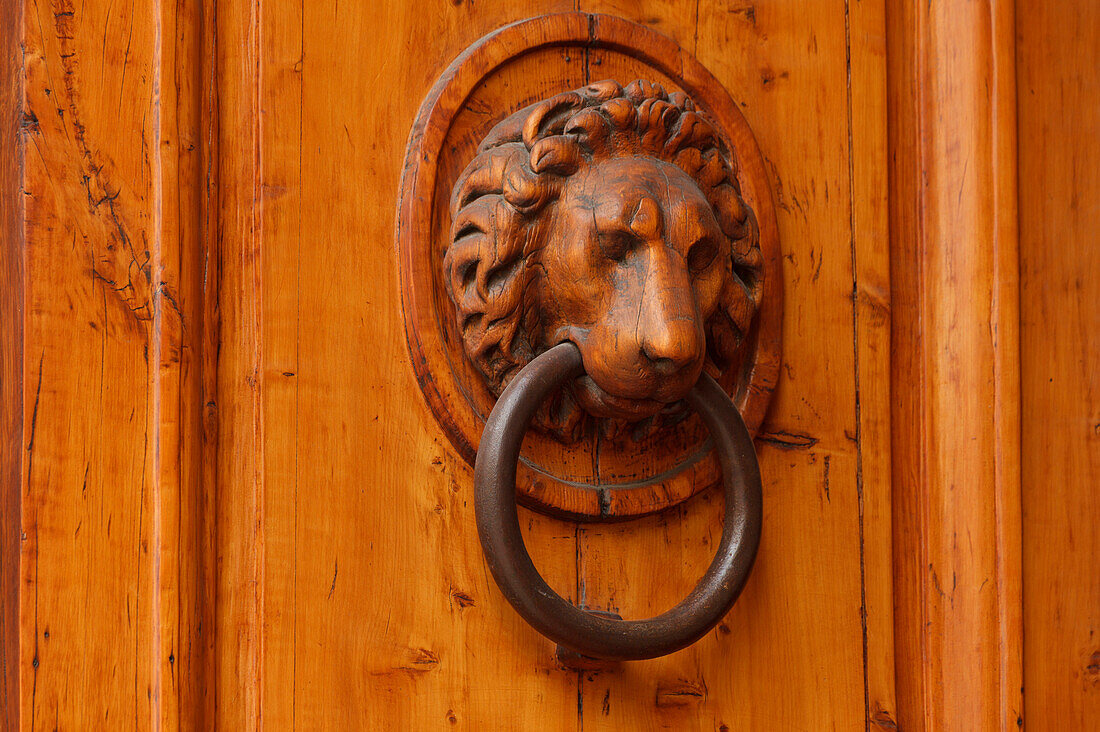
<point x="669" y="330"/>
<point x="644" y="355"/>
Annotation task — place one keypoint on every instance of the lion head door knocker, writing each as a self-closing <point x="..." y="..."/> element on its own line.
<point x="607" y="272"/>
<point x="611" y="219"/>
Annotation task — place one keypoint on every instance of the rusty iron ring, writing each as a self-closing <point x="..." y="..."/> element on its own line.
<point x="515" y="574"/>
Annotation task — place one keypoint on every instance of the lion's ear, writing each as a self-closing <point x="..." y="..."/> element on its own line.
<point x="484" y="174"/>
<point x="549" y="117"/>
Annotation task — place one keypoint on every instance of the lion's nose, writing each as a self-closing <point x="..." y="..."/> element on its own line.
<point x="670" y="337"/>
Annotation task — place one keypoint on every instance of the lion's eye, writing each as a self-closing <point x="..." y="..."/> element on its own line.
<point x="616" y="244"/>
<point x="702" y="254"/>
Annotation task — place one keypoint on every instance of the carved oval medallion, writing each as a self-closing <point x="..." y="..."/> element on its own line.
<point x="629" y="214"/>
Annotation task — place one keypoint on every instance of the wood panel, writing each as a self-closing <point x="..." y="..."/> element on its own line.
<point x="1059" y="132"/>
<point x="343" y="439"/>
<point x="954" y="285"/>
<point x="111" y="609"/>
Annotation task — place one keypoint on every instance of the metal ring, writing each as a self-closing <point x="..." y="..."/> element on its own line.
<point x="527" y="591"/>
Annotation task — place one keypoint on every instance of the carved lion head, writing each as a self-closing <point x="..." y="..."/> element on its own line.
<point x="610" y="217"/>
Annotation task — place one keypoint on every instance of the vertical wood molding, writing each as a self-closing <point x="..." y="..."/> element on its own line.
<point x="106" y="543"/>
<point x="956" y="441"/>
<point x="188" y="672"/>
<point x="237" y="319"/>
<point x="11" y="353"/>
<point x="105" y="314"/>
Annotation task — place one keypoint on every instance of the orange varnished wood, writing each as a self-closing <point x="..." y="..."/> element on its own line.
<point x="225" y="502"/>
<point x="11" y="354"/>
<point x="869" y="170"/>
<point x="236" y="325"/>
<point x="954" y="291"/>
<point x="111" y="602"/>
<point x="282" y="221"/>
<point x="325" y="546"/>
<point x="345" y="399"/>
<point x="1059" y="151"/>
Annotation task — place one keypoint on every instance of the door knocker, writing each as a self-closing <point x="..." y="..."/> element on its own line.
<point x="606" y="267"/>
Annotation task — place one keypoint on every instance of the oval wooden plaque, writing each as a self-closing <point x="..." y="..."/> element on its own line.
<point x="598" y="478"/>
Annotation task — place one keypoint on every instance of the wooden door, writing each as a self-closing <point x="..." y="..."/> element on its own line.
<point x="227" y="504"/>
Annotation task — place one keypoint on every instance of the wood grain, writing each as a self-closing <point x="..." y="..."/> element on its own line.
<point x="224" y="501"/>
<point x="1059" y="153"/>
<point x="12" y="288"/>
<point x="867" y="106"/>
<point x="111" y="608"/>
<point x="416" y="647"/>
<point x="313" y="553"/>
<point x="954" y="288"/>
<point x="239" y="479"/>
